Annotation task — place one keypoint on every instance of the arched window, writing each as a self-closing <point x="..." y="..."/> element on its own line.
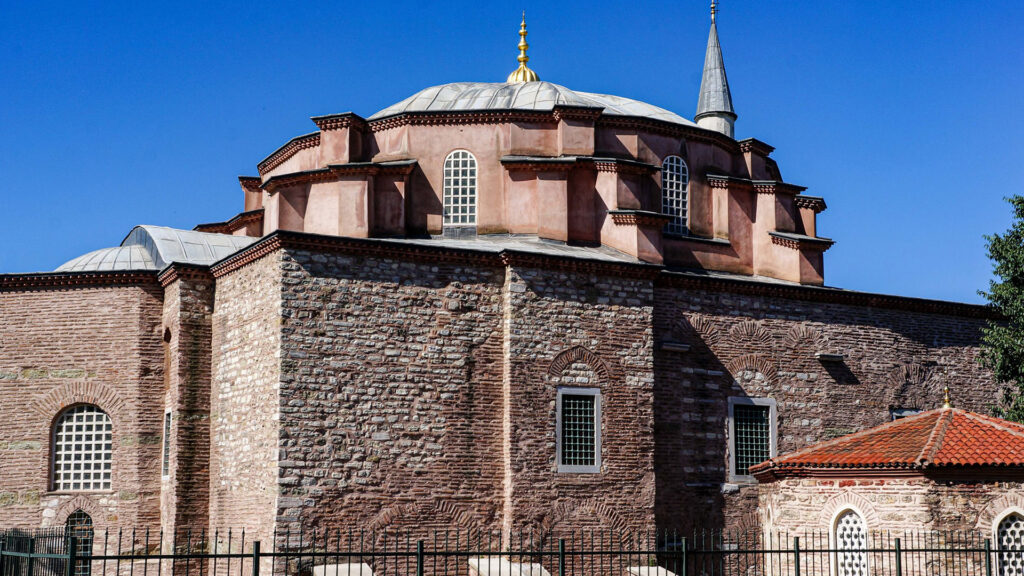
<point x="82" y="449"/>
<point x="460" y="189"/>
<point x="1010" y="539"/>
<point x="79" y="525"/>
<point x="851" y="540"/>
<point x="674" y="180"/>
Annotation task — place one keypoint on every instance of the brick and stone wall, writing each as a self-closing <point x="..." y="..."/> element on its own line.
<point x="748" y="345"/>
<point x="80" y="345"/>
<point x="244" y="398"/>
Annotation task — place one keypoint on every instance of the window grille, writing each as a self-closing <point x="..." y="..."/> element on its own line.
<point x="82" y="449"/>
<point x="79" y="525"/>
<point x="1010" y="536"/>
<point x="851" y="540"/>
<point x="752" y="436"/>
<point x="167" y="444"/>
<point x="579" y="430"/>
<point x="460" y="189"/>
<point x="674" y="181"/>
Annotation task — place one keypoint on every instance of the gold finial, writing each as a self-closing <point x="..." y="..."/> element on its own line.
<point x="523" y="73"/>
<point x="714" y="10"/>
<point x="946" y="403"/>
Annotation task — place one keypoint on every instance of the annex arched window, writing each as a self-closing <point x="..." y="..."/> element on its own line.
<point x="1010" y="542"/>
<point x="460" y="189"/>
<point x="850" y="536"/>
<point x="674" y="181"/>
<point x="79" y="525"/>
<point x="82" y="449"/>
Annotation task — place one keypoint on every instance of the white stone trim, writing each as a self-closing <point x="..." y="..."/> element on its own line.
<point x="773" y="433"/>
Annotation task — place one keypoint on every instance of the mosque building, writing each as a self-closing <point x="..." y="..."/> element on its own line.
<point x="489" y="305"/>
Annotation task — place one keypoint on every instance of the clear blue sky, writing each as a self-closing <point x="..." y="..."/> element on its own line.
<point x="905" y="116"/>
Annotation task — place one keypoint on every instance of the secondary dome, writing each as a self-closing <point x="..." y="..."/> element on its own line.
<point x="539" y="96"/>
<point x="154" y="247"/>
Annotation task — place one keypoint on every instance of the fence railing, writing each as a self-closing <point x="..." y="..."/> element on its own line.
<point x="474" y="553"/>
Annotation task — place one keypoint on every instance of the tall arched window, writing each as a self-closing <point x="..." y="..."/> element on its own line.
<point x="460" y="189"/>
<point x="850" y="535"/>
<point x="674" y="180"/>
<point x="1010" y="539"/>
<point x="82" y="449"/>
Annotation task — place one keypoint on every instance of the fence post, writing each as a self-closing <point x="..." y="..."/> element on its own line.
<point x="256" y="558"/>
<point x="899" y="558"/>
<point x="2" y="540"/>
<point x="561" y="557"/>
<point x="796" y="555"/>
<point x="683" y="572"/>
<point x="31" y="551"/>
<point x="69" y="570"/>
<point x="419" y="558"/>
<point x="988" y="557"/>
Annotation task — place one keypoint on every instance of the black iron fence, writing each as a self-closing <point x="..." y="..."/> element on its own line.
<point x="475" y="553"/>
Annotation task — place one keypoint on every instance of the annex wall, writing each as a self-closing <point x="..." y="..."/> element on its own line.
<point x="244" y="398"/>
<point x="747" y="344"/>
<point x="68" y="345"/>
<point x="391" y="406"/>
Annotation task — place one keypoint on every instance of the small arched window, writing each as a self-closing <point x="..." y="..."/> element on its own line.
<point x="460" y="189"/>
<point x="82" y="449"/>
<point x="674" y="181"/>
<point x="850" y="535"/>
<point x="79" y="525"/>
<point x="1010" y="539"/>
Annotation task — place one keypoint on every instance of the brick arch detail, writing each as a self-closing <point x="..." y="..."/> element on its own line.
<point x="77" y="503"/>
<point x="752" y="332"/>
<point x="996" y="509"/>
<point x="848" y="499"/>
<point x="564" y="510"/>
<point x="757" y="362"/>
<point x="579" y="354"/>
<point x="801" y="336"/>
<point x="703" y="328"/>
<point x="460" y="516"/>
<point x="60" y="398"/>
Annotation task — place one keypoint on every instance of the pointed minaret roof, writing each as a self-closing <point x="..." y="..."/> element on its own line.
<point x="715" y="97"/>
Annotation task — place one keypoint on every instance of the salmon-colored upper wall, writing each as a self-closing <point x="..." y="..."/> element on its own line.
<point x="603" y="166"/>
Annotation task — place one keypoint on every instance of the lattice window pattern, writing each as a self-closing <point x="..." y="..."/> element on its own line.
<point x="752" y="428"/>
<point x="851" y="539"/>
<point x="460" y="189"/>
<point x="82" y="449"/>
<point x="674" y="180"/>
<point x="1010" y="535"/>
<point x="79" y="525"/>
<point x="578" y="430"/>
<point x="167" y="444"/>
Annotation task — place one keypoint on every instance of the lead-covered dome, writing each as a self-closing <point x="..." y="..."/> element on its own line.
<point x="534" y="96"/>
<point x="154" y="247"/>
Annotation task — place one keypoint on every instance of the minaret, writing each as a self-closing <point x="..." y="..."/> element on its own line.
<point x="714" y="107"/>
<point x="523" y="73"/>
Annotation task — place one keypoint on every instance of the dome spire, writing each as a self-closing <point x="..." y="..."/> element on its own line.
<point x="714" y="106"/>
<point x="523" y="73"/>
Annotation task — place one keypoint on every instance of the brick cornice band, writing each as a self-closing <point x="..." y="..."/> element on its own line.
<point x="71" y="280"/>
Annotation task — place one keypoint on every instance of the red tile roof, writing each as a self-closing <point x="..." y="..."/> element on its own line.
<point x="947" y="437"/>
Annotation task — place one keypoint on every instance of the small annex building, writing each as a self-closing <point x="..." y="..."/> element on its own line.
<point x="946" y="469"/>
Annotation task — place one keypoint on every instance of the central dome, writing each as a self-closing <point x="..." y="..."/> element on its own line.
<point x="535" y="96"/>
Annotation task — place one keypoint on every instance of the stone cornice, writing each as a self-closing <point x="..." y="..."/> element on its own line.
<point x="774" y="186"/>
<point x="622" y="165"/>
<point x="639" y="218"/>
<point x="177" y="271"/>
<point x="250" y="183"/>
<point x="402" y="167"/>
<point x="801" y="242"/>
<point x="277" y="157"/>
<point x="812" y="202"/>
<point x="229" y="226"/>
<point x="760" y="186"/>
<point x="454" y="118"/>
<point x="304" y="177"/>
<point x="712" y="282"/>
<point x="584" y="113"/>
<point x="71" y="280"/>
<point x="724" y="181"/>
<point x="756" y="146"/>
<point x="539" y="163"/>
<point x="340" y="121"/>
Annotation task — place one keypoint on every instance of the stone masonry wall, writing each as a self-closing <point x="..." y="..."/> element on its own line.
<point x="187" y="324"/>
<point x="61" y="347"/>
<point x="244" y="405"/>
<point x="391" y="405"/>
<point x="760" y="346"/>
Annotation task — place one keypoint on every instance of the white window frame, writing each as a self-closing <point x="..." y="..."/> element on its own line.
<point x="64" y="447"/>
<point x="773" y="432"/>
<point x="675" y="201"/>
<point x="451" y="192"/>
<point x="574" y="391"/>
<point x="165" y="453"/>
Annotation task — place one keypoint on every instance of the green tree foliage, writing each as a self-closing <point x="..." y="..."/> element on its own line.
<point x="1003" y="341"/>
